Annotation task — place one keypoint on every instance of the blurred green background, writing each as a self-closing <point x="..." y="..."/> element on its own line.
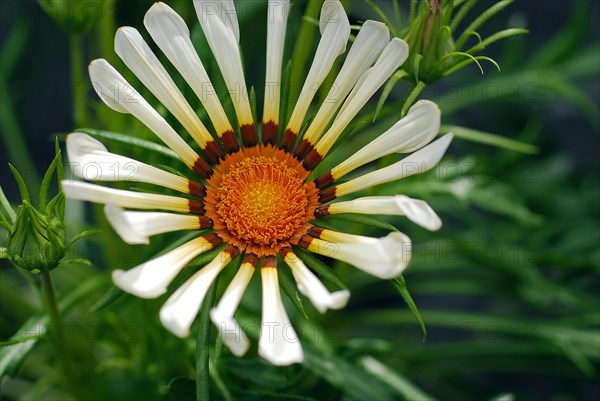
<point x="508" y="288"/>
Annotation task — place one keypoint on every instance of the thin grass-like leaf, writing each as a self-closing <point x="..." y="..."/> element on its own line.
<point x="487" y="14"/>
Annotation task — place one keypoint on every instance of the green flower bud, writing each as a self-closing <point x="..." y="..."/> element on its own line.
<point x="37" y="242"/>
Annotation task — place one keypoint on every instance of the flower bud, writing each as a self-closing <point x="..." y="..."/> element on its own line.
<point x="37" y="242"/>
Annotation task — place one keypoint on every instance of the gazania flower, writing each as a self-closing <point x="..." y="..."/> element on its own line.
<point x="254" y="188"/>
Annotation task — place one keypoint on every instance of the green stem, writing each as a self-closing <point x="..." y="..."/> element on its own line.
<point x="203" y="345"/>
<point x="49" y="300"/>
<point x="79" y="82"/>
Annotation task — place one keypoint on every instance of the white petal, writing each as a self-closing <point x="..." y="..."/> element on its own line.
<point x="89" y="159"/>
<point x="416" y="210"/>
<point x="137" y="55"/>
<point x="151" y="279"/>
<point x="116" y="92"/>
<point x="222" y="315"/>
<point x="138" y="200"/>
<point x="180" y="310"/>
<point x="215" y="19"/>
<point x="230" y="332"/>
<point x="392" y="57"/>
<point x="368" y="45"/>
<point x="386" y="258"/>
<point x="418" y="162"/>
<point x="412" y="132"/>
<point x="313" y="288"/>
<point x="277" y="22"/>
<point x="335" y="30"/>
<point x="171" y="34"/>
<point x="224" y="10"/>
<point x="138" y="227"/>
<point x="279" y="343"/>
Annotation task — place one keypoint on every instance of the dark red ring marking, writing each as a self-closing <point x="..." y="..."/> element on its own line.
<point x="269" y="133"/>
<point x="289" y="140"/>
<point x="230" y="142"/>
<point x="249" y="137"/>
<point x="328" y="195"/>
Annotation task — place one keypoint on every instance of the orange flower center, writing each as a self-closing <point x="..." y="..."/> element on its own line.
<point x="259" y="201"/>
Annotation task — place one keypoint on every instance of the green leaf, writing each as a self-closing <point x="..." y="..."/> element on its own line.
<point x="461" y="13"/>
<point x="76" y="261"/>
<point x="507" y="33"/>
<point x="398" y="75"/>
<point x="203" y="345"/>
<point x="6" y="205"/>
<point x="48" y="179"/>
<point x="405" y="388"/>
<point x="252" y="97"/>
<point x="354" y="381"/>
<point x="487" y="14"/>
<point x="319" y="267"/>
<point x="20" y="183"/>
<point x="412" y="97"/>
<point x="83" y="234"/>
<point x="487" y="138"/>
<point x="400" y="285"/>
<point x="107" y="299"/>
<point x="363" y="219"/>
<point x="383" y="17"/>
<point x="132" y="141"/>
<point x="3" y="254"/>
<point x="11" y="357"/>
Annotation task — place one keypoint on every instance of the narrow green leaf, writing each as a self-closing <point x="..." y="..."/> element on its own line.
<point x="383" y="17"/>
<point x="3" y="254"/>
<point x="470" y="60"/>
<point x="76" y="261"/>
<point x="363" y="219"/>
<point x="405" y="388"/>
<point x="106" y="299"/>
<point x="285" y="98"/>
<point x="287" y="283"/>
<point x="303" y="44"/>
<point x="20" y="183"/>
<point x="48" y="180"/>
<point x="4" y="221"/>
<point x="253" y="109"/>
<point x="400" y="285"/>
<point x="483" y="17"/>
<point x="203" y="345"/>
<point x="461" y="13"/>
<point x="354" y="381"/>
<point x="132" y="141"/>
<point x="398" y="75"/>
<point x="6" y="205"/>
<point x="489" y="139"/>
<point x="412" y="97"/>
<point x="83" y="234"/>
<point x="60" y="168"/>
<point x="507" y="33"/>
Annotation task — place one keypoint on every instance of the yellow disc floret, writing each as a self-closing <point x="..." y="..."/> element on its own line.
<point x="259" y="200"/>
